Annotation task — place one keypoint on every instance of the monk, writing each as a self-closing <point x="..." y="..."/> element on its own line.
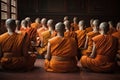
<point x="43" y="28"/>
<point x="102" y="58"/>
<point x="45" y="36"/>
<point x="14" y="49"/>
<point x="32" y="32"/>
<point x="61" y="52"/>
<point x="89" y="29"/>
<point x="117" y="35"/>
<point x="81" y="37"/>
<point x="68" y="32"/>
<point x="112" y="28"/>
<point x="74" y="25"/>
<point x="28" y="19"/>
<point x="90" y="35"/>
<point x="36" y="24"/>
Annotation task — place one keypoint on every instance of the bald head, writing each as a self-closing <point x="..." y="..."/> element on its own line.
<point x="104" y="27"/>
<point x="24" y="23"/>
<point x="96" y="23"/>
<point x="11" y="24"/>
<point x="50" y="23"/>
<point x="43" y="21"/>
<point x="67" y="25"/>
<point x="28" y="20"/>
<point x="60" y="27"/>
<point x="81" y="24"/>
<point x="65" y="18"/>
<point x="91" y="22"/>
<point x="37" y="20"/>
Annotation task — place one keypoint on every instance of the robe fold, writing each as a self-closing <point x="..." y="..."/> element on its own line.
<point x="63" y="55"/>
<point x="14" y="52"/>
<point x="106" y="50"/>
<point x="45" y="36"/>
<point x="81" y="37"/>
<point x="90" y="35"/>
<point x="89" y="29"/>
<point x="74" y="27"/>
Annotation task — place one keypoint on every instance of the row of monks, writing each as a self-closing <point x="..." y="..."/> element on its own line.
<point x="64" y="45"/>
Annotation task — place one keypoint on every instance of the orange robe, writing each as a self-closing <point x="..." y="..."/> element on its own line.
<point x="89" y="29"/>
<point x="71" y="34"/>
<point x="117" y="35"/>
<point x="106" y="49"/>
<point x="45" y="36"/>
<point x="35" y="25"/>
<point x="90" y="35"/>
<point x="81" y="37"/>
<point x="74" y="27"/>
<point x="14" y="52"/>
<point x="63" y="55"/>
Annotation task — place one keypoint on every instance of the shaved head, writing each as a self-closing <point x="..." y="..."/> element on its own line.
<point x="10" y="24"/>
<point x="24" y="23"/>
<point x="43" y="21"/>
<point x="81" y="24"/>
<point x="96" y="23"/>
<point x="60" y="27"/>
<point x="67" y="24"/>
<point x="37" y="20"/>
<point x="50" y="23"/>
<point x="104" y="27"/>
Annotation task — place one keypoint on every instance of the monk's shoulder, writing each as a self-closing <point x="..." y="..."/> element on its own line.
<point x="54" y="39"/>
<point x="96" y="38"/>
<point x="116" y="34"/>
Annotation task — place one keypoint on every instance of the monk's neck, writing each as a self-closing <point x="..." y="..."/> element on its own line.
<point x="10" y="32"/>
<point x="60" y="34"/>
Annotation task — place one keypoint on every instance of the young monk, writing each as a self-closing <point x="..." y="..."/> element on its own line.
<point x="14" y="49"/>
<point x="61" y="52"/>
<point x="45" y="36"/>
<point x="111" y="28"/>
<point x="102" y="58"/>
<point x="68" y="32"/>
<point x="74" y="25"/>
<point x="89" y="29"/>
<point x="81" y="37"/>
<point x="90" y="35"/>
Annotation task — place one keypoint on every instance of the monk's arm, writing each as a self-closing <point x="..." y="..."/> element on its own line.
<point x="48" y="55"/>
<point x="86" y="42"/>
<point x="92" y="55"/>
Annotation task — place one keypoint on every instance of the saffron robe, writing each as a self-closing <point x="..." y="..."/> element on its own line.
<point x="81" y="37"/>
<point x="106" y="50"/>
<point x="65" y="51"/>
<point x="14" y="52"/>
<point x="90" y="35"/>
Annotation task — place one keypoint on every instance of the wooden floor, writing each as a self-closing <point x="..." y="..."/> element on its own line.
<point x="40" y="74"/>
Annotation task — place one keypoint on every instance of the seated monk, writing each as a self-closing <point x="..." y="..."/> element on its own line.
<point x="90" y="35"/>
<point x="61" y="52"/>
<point x="74" y="25"/>
<point x="45" y="36"/>
<point x="81" y="34"/>
<point x="117" y="35"/>
<point x="36" y="24"/>
<point x="89" y="29"/>
<point x="112" y="29"/>
<point x="43" y="28"/>
<point x="102" y="58"/>
<point x="14" y="49"/>
<point x="68" y="32"/>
